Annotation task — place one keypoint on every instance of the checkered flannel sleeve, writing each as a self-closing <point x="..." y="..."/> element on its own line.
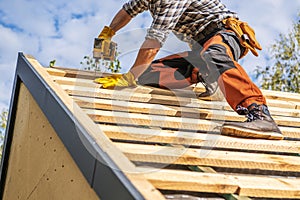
<point x="167" y="13"/>
<point x="135" y="7"/>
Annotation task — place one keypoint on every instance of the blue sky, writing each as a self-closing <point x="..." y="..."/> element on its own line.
<point x="65" y="30"/>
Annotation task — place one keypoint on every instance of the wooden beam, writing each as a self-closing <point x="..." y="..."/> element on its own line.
<point x="106" y="94"/>
<point x="189" y="181"/>
<point x="283" y="96"/>
<point x="79" y="73"/>
<point x="56" y="72"/>
<point x="269" y="187"/>
<point x="252" y="186"/>
<point x="211" y="170"/>
<point x="126" y="106"/>
<point x="209" y="157"/>
<point x="197" y="139"/>
<point x="150" y="120"/>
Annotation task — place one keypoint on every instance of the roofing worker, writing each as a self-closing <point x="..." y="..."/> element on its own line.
<point x="219" y="39"/>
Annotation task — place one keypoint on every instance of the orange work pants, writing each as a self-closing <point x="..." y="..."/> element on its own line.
<point x="221" y="53"/>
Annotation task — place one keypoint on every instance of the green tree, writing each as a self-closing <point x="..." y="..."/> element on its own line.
<point x="3" y="122"/>
<point x="284" y="74"/>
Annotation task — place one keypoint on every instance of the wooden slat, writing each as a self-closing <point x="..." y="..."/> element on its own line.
<point x="79" y="73"/>
<point x="256" y="186"/>
<point x="197" y="139"/>
<point x="287" y="121"/>
<point x="56" y="72"/>
<point x="106" y="94"/>
<point x="151" y="120"/>
<point x="211" y="170"/>
<point x="291" y="132"/>
<point x="283" y="104"/>
<point x="74" y="81"/>
<point x="283" y="96"/>
<point x="269" y="187"/>
<point x="278" y="111"/>
<point x="190" y="181"/>
<point x="213" y="158"/>
<point x="118" y="105"/>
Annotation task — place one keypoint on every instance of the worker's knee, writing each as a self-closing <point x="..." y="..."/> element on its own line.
<point x="217" y="58"/>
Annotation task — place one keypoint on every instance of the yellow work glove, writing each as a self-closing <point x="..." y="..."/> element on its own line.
<point x="245" y="33"/>
<point x="107" y="33"/>
<point x="117" y="80"/>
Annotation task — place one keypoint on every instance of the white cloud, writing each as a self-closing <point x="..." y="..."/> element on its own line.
<point x="27" y="16"/>
<point x="10" y="42"/>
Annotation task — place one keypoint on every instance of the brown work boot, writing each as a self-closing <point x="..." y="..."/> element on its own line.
<point x="259" y="124"/>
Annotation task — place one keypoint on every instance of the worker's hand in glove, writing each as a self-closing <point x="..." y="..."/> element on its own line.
<point x="107" y="33"/>
<point x="117" y="80"/>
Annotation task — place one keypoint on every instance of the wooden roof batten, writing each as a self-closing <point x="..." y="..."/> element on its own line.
<point x="163" y="144"/>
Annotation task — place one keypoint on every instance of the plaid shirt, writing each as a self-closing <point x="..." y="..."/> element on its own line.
<point x="186" y="18"/>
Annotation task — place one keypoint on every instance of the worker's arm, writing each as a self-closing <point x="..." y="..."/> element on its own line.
<point x="145" y="56"/>
<point x="148" y="50"/>
<point x="121" y="19"/>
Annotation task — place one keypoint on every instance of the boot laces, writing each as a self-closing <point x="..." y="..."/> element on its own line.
<point x="251" y="115"/>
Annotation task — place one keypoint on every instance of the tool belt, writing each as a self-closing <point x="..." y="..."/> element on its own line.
<point x="242" y="30"/>
<point x="208" y="32"/>
<point x="245" y="34"/>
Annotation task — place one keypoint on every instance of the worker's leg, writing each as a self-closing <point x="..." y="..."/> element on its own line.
<point x="234" y="82"/>
<point x="221" y="53"/>
<point x="171" y="72"/>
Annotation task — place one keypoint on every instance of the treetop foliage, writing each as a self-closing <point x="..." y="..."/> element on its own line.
<point x="284" y="74"/>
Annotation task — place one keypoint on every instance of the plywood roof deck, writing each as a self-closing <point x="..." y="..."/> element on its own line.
<point x="169" y="141"/>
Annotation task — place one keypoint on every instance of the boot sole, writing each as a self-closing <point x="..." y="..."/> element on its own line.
<point x="248" y="133"/>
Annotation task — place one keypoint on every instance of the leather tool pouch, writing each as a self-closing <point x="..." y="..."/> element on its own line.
<point x="245" y="33"/>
